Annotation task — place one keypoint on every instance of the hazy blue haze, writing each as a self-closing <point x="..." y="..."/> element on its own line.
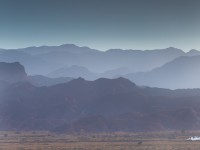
<point x="101" y="24"/>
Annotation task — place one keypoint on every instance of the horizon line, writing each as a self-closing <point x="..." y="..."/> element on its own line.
<point x="125" y="49"/>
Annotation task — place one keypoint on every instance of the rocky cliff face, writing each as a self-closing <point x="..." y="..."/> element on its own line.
<point x="12" y="72"/>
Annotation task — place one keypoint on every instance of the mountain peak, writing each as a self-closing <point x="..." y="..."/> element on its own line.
<point x="193" y="52"/>
<point x="122" y="82"/>
<point x="12" y="72"/>
<point x="78" y="80"/>
<point x="68" y="45"/>
<point x="173" y="49"/>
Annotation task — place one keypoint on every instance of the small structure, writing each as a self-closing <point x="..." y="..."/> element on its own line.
<point x="195" y="138"/>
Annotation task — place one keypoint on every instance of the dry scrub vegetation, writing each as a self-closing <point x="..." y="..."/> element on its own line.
<point x="37" y="140"/>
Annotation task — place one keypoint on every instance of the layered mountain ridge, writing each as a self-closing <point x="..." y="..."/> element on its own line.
<point x="144" y="67"/>
<point x="45" y="59"/>
<point x="102" y="105"/>
<point x="182" y="72"/>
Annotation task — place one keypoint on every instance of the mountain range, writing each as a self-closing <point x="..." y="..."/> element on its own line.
<point x="182" y="72"/>
<point x="165" y="68"/>
<point x="78" y="71"/>
<point x="102" y="105"/>
<point x="45" y="59"/>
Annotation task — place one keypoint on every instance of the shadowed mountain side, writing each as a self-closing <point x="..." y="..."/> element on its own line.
<point x="183" y="118"/>
<point x="183" y="72"/>
<point x="100" y="105"/>
<point x="24" y="106"/>
<point x="170" y="93"/>
<point x="39" y="80"/>
<point x="12" y="72"/>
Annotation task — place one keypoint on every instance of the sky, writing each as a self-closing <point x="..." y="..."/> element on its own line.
<point x="101" y="24"/>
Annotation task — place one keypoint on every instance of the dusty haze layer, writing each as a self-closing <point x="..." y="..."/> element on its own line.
<point x="166" y="68"/>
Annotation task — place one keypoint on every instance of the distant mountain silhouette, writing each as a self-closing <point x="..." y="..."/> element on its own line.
<point x="33" y="64"/>
<point x="183" y="72"/>
<point x="118" y="72"/>
<point x="79" y="71"/>
<point x="12" y="72"/>
<point x="71" y="48"/>
<point x="95" y="106"/>
<point x="74" y="72"/>
<point x="39" y="80"/>
<point x="193" y="52"/>
<point x="45" y="59"/>
<point x="137" y="60"/>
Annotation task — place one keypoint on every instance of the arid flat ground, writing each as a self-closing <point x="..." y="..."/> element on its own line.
<point x="42" y="140"/>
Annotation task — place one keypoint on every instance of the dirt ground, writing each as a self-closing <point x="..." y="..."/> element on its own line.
<point x="43" y="140"/>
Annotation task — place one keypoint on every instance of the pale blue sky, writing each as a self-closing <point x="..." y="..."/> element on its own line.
<point x="101" y="24"/>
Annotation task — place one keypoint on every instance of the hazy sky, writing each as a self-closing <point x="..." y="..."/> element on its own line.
<point x="101" y="24"/>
